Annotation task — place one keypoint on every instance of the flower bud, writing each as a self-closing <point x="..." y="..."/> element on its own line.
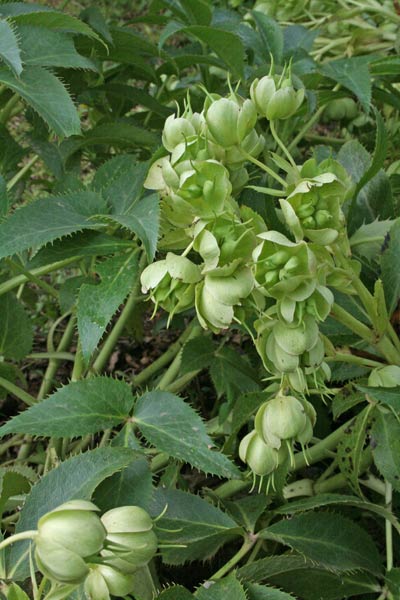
<point x="282" y="418"/>
<point x="275" y="99"/>
<point x="230" y="122"/>
<point x="176" y="130"/>
<point x="261" y="458"/>
<point x="131" y="542"/>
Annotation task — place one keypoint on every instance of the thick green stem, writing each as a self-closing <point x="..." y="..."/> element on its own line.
<point x="52" y="367"/>
<point x="109" y="345"/>
<point x="165" y="358"/>
<point x="7" y="110"/>
<point x="34" y="279"/>
<point x="353" y="359"/>
<point x="388" y="527"/>
<point x="16" y="391"/>
<point x="18" y="280"/>
<point x="172" y="372"/>
<point x="345" y="318"/>
<point x="18" y="176"/>
<point x="23" y="535"/>
<point x="282" y="145"/>
<point x="248" y="543"/>
<point x="179" y="384"/>
<point x="51" y="355"/>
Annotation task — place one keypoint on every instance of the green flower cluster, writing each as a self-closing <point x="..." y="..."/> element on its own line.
<point x="74" y="546"/>
<point x="223" y="261"/>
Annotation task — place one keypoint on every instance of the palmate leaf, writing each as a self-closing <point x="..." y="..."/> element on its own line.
<point x="75" y="478"/>
<point x="172" y="426"/>
<point x="79" y="408"/>
<point x="16" y="333"/>
<point x="48" y="219"/>
<point x="10" y="51"/>
<point x="229" y="587"/>
<point x="45" y="93"/>
<point x="193" y="522"/>
<point x="98" y="303"/>
<point x="328" y="539"/>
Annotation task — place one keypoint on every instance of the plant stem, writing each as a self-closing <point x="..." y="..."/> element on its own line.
<point x="108" y="346"/>
<point x="165" y="358"/>
<point x="51" y="355"/>
<point x="6" y="112"/>
<point x="34" y="279"/>
<point x="342" y="316"/>
<point x="247" y="545"/>
<point x="172" y="372"/>
<point x="79" y="365"/>
<point x="53" y="362"/>
<point x="305" y="128"/>
<point x="14" y="282"/>
<point x="179" y="384"/>
<point x="282" y="145"/>
<point x="388" y="527"/>
<point x="23" y="535"/>
<point x="264" y="167"/>
<point x="17" y="391"/>
<point x="18" y="176"/>
<point x="353" y="359"/>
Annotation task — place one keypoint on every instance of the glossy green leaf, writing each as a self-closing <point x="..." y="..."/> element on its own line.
<point x="386" y="447"/>
<point x="16" y="333"/>
<point x="193" y="522"/>
<point x="131" y="486"/>
<point x="98" y="303"/>
<point x="10" y="52"/>
<point x="47" y="95"/>
<point x="263" y="592"/>
<point x="46" y="48"/>
<point x="79" y="408"/>
<point x="328" y="539"/>
<point x="229" y="587"/>
<point x="353" y="74"/>
<point x="172" y="426"/>
<point x="75" y="478"/>
<point x="49" y="219"/>
<point x="389" y="268"/>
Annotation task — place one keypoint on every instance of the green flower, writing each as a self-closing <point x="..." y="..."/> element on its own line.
<point x="170" y="282"/>
<point x="104" y="581"/>
<point x="284" y="269"/>
<point x="281" y="419"/>
<point x="230" y="120"/>
<point x="275" y="98"/>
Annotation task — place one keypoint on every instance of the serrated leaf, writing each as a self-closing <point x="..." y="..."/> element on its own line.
<point x="390" y="273"/>
<point x="191" y="521"/>
<point x="176" y="592"/>
<point x="385" y="436"/>
<point x="393" y="581"/>
<point x="316" y="584"/>
<point x="197" y="12"/>
<point x="120" y="181"/>
<point x="353" y="74"/>
<point x="347" y="398"/>
<point x="265" y="568"/>
<point x="172" y="426"/>
<point x="12" y="483"/>
<point x="48" y="219"/>
<point x="44" y="92"/>
<point x="385" y="395"/>
<point x="10" y="51"/>
<point x="263" y="592"/>
<point x="232" y="374"/>
<point x="328" y="539"/>
<point x="79" y="408"/>
<point x="75" y="478"/>
<point x="341" y="499"/>
<point x="246" y="511"/>
<point x="197" y="354"/>
<point x="93" y="17"/>
<point x="131" y="486"/>
<point x="143" y="219"/>
<point x="227" y="45"/>
<point x="352" y="445"/>
<point x="46" y="48"/>
<point x="271" y="36"/>
<point x="87" y="243"/>
<point x="98" y="303"/>
<point x="229" y="587"/>
<point x="16" y="334"/>
<point x="374" y="199"/>
<point x="44" y="16"/>
<point x="367" y="241"/>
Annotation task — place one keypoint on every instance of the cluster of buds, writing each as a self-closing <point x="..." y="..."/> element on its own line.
<point x="74" y="546"/>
